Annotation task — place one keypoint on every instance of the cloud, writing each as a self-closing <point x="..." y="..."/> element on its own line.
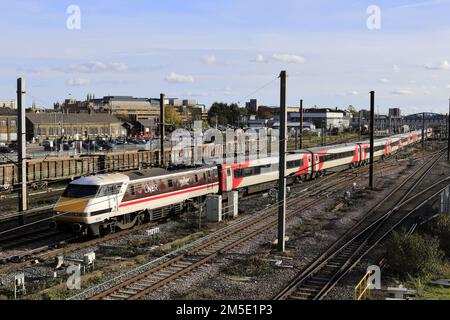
<point x="443" y="65"/>
<point x="77" y="82"/>
<point x="401" y="92"/>
<point x="347" y="93"/>
<point x="26" y="70"/>
<point x="259" y="58"/>
<point x="395" y="68"/>
<point x="383" y="80"/>
<point x="420" y="4"/>
<point x="179" y="78"/>
<point x="289" y="58"/>
<point x="210" y="59"/>
<point x="95" y="67"/>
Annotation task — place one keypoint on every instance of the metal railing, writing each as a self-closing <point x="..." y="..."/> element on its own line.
<point x="362" y="289"/>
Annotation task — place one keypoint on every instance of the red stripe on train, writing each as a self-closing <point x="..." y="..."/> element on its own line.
<point x="126" y="204"/>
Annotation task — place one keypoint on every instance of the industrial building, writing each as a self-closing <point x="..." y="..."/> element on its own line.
<point x="322" y="117"/>
<point x="76" y="126"/>
<point x="10" y="104"/>
<point x="8" y="125"/>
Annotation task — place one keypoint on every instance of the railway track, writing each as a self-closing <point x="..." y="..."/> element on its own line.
<point x="148" y="278"/>
<point x="317" y="279"/>
<point x="65" y="246"/>
<point x="55" y="243"/>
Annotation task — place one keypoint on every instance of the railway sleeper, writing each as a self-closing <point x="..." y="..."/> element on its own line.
<point x="320" y="279"/>
<point x="309" y="290"/>
<point x="334" y="264"/>
<point x="299" y="297"/>
<point x="174" y="269"/>
<point x="317" y="281"/>
<point x="148" y="281"/>
<point x="128" y="291"/>
<point x="139" y="287"/>
<point x="118" y="296"/>
<point x="166" y="273"/>
<point x="312" y="286"/>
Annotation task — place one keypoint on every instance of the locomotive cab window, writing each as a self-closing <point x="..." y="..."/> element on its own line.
<point x="80" y="191"/>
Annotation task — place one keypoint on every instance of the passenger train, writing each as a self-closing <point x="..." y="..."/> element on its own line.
<point x="100" y="204"/>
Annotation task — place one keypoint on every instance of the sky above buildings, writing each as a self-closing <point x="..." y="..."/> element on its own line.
<point x="225" y="50"/>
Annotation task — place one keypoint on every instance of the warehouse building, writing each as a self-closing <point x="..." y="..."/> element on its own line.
<point x="8" y="125"/>
<point x="72" y="126"/>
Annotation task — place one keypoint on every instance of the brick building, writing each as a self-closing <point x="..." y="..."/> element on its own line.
<point x="8" y="125"/>
<point x="76" y="126"/>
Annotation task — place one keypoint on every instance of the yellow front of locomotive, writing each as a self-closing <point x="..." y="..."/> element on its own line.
<point x="87" y="202"/>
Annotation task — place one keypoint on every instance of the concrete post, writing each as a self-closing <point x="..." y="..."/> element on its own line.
<point x="372" y="133"/>
<point x="162" y="128"/>
<point x="21" y="141"/>
<point x="214" y="208"/>
<point x="233" y="203"/>
<point x="282" y="165"/>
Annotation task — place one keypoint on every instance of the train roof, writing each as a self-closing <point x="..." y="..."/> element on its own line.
<point x="335" y="146"/>
<point x="157" y="172"/>
<point x="101" y="179"/>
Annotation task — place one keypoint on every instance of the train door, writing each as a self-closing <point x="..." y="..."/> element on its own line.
<point x="229" y="179"/>
<point x="210" y="180"/>
<point x="315" y="165"/>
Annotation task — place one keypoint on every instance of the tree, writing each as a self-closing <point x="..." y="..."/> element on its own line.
<point x="172" y="118"/>
<point x="353" y="111"/>
<point x="224" y="114"/>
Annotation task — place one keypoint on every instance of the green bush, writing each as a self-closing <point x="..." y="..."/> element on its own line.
<point x="413" y="255"/>
<point x="440" y="228"/>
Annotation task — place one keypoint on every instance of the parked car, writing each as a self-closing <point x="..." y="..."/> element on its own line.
<point x="119" y="141"/>
<point x="6" y="150"/>
<point x="48" y="145"/>
<point x="132" y="141"/>
<point x="141" y="141"/>
<point x="14" y="146"/>
<point x="67" y="146"/>
<point x="104" y="145"/>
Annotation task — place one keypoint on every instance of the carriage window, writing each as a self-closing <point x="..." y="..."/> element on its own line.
<point x="294" y="164"/>
<point x="132" y="190"/>
<point x="196" y="178"/>
<point x="170" y="183"/>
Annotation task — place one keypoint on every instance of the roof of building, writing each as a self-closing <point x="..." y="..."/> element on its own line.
<point x="8" y="112"/>
<point x="322" y="110"/>
<point x="72" y="118"/>
<point x="147" y="122"/>
<point x="125" y="98"/>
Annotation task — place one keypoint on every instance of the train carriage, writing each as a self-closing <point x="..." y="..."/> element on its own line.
<point x="328" y="157"/>
<point x="259" y="174"/>
<point x="99" y="204"/>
